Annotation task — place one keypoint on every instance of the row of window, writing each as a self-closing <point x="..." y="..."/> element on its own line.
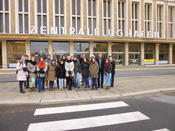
<point x="17" y="48"/>
<point x="92" y="16"/>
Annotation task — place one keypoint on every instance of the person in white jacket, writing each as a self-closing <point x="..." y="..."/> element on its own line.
<point x="69" y="66"/>
<point x="22" y="73"/>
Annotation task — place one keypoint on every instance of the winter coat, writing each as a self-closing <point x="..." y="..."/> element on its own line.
<point x="77" y="67"/>
<point x="21" y="71"/>
<point x="31" y="66"/>
<point x="51" y="73"/>
<point x="69" y="66"/>
<point x="41" y="70"/>
<point x="101" y="67"/>
<point x="94" y="69"/>
<point x="60" y="71"/>
<point x="85" y="69"/>
<point x="113" y="63"/>
<point x="107" y="68"/>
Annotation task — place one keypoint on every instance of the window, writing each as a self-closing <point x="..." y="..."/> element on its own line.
<point x="59" y="16"/>
<point x="159" y="19"/>
<point x="15" y="49"/>
<point x="23" y="16"/>
<point x="39" y="46"/>
<point x="92" y="16"/>
<point x="121" y="16"/>
<point x="76" y="15"/>
<point x="148" y="16"/>
<point x="42" y="16"/>
<point x="100" y="47"/>
<point x="163" y="53"/>
<point x="118" y="50"/>
<point x="135" y="17"/>
<point x="106" y="17"/>
<point x="81" y="48"/>
<point x="60" y="48"/>
<point x="171" y="21"/>
<point x="4" y="16"/>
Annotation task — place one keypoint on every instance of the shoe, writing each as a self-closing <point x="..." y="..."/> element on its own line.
<point x="23" y="92"/>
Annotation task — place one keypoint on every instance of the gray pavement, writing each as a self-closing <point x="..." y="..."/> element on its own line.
<point x="159" y="108"/>
<point x="124" y="86"/>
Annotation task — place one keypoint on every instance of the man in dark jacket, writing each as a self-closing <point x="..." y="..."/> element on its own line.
<point x="100" y="61"/>
<point x="77" y="71"/>
<point x="113" y="63"/>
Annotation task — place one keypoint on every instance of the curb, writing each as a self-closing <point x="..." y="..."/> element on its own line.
<point x="92" y="98"/>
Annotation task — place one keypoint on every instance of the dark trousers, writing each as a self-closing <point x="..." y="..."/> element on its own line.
<point x="69" y="83"/>
<point x="94" y="83"/>
<point x="100" y="79"/>
<point x="41" y="82"/>
<point x="112" y="80"/>
<point x="51" y="84"/>
<point x="21" y="85"/>
<point x="27" y="82"/>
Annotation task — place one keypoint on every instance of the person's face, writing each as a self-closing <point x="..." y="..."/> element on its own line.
<point x="26" y="57"/>
<point x="48" y="57"/>
<point x="93" y="59"/>
<point x="107" y="60"/>
<point x="64" y="57"/>
<point x="41" y="59"/>
<point x="75" y="58"/>
<point x="100" y="55"/>
<point x="32" y="58"/>
<point x="85" y="60"/>
<point x="53" y="62"/>
<point x="110" y="58"/>
<point x="62" y="62"/>
<point x="68" y="57"/>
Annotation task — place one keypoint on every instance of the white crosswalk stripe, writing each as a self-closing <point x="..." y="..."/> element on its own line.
<point x="77" y="108"/>
<point x="86" y="122"/>
<point x="164" y="129"/>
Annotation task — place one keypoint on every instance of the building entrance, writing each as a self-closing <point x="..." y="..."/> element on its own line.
<point x="119" y="58"/>
<point x="134" y="58"/>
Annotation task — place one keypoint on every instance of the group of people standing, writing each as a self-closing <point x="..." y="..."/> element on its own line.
<point x="69" y="72"/>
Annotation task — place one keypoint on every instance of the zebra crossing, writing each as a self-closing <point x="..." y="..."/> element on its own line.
<point x="87" y="122"/>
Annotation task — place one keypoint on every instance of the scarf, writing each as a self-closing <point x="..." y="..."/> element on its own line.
<point x="41" y="64"/>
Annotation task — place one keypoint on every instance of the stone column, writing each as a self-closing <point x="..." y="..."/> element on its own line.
<point x="27" y="47"/>
<point x="142" y="55"/>
<point x="170" y="53"/>
<point x="50" y="48"/>
<point x="71" y="48"/>
<point x="157" y="53"/>
<point x="4" y="54"/>
<point x="126" y="53"/>
<point x="110" y="49"/>
<point x="91" y="51"/>
<point x="12" y="16"/>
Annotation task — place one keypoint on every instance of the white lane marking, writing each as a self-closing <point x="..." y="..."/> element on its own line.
<point x="164" y="129"/>
<point x="76" y="108"/>
<point x="89" y="122"/>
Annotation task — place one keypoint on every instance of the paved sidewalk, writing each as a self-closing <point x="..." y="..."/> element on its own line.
<point x="124" y="86"/>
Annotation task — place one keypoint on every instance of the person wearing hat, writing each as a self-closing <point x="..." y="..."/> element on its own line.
<point x="51" y="73"/>
<point x="22" y="73"/>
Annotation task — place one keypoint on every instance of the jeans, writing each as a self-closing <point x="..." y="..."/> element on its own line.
<point x="94" y="82"/>
<point x="51" y="84"/>
<point x="77" y="79"/>
<point x="61" y="83"/>
<point x="41" y="81"/>
<point x="86" y="81"/>
<point x="32" y="82"/>
<point x="108" y="79"/>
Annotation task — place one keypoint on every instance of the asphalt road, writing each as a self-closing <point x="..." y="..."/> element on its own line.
<point x="131" y="73"/>
<point x="159" y="108"/>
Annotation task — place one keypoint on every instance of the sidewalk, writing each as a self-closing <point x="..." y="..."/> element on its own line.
<point x="124" y="87"/>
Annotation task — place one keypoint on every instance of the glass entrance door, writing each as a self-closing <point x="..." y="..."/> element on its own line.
<point x="134" y="58"/>
<point x="0" y="55"/>
<point x="119" y="58"/>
